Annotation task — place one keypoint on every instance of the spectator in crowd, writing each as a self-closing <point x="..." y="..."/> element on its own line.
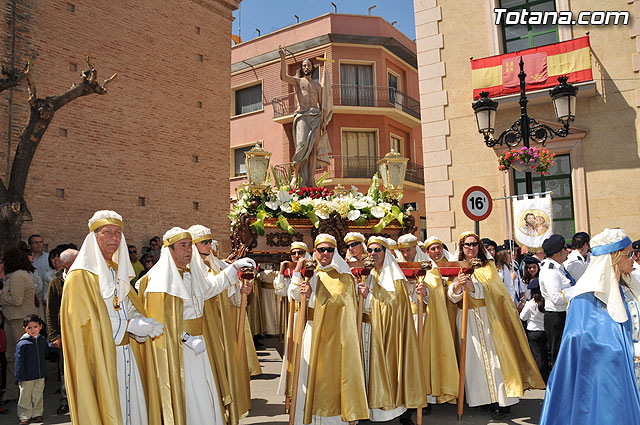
<point x="636" y="263"/>
<point x="40" y="257"/>
<point x="554" y="279"/>
<point x="54" y="298"/>
<point x="578" y="259"/>
<point x="490" y="246"/>
<point x="533" y="314"/>
<point x="55" y="265"/>
<point x="154" y="248"/>
<point x="16" y="299"/>
<point x="508" y="274"/>
<point x="137" y="265"/>
<point x="530" y="271"/>
<point x="30" y="370"/>
<point x="37" y="282"/>
<point x="147" y="262"/>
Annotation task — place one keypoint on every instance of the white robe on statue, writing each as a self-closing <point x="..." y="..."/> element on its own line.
<point x="484" y="383"/>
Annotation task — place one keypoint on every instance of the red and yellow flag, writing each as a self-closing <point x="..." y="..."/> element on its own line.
<point x="499" y="74"/>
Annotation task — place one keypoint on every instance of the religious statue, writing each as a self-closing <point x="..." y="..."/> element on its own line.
<point x="310" y="121"/>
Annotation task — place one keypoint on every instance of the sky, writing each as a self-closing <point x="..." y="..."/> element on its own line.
<point x="271" y="15"/>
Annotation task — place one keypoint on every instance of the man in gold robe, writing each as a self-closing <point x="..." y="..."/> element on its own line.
<point x="217" y="313"/>
<point x="335" y="390"/>
<point x="396" y="381"/>
<point x="194" y="387"/>
<point x="499" y="363"/>
<point x="438" y="349"/>
<point x="102" y="324"/>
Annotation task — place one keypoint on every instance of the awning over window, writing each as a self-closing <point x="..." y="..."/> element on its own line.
<point x="499" y="74"/>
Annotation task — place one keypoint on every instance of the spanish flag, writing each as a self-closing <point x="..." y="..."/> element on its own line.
<point x="499" y="74"/>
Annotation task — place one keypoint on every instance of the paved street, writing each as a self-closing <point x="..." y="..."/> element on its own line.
<point x="268" y="407"/>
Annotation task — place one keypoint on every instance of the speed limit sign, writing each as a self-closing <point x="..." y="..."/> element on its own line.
<point x="477" y="203"/>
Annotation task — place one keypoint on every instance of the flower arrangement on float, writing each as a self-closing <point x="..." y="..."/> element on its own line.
<point x="525" y="159"/>
<point x="315" y="204"/>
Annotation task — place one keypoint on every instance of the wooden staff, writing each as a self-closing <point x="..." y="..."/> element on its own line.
<point x="246" y="274"/>
<point x="300" y="324"/>
<point x="367" y="265"/>
<point x="290" y="325"/>
<point x="424" y="266"/>
<point x="475" y="263"/>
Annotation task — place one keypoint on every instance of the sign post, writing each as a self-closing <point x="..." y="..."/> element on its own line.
<point x="477" y="205"/>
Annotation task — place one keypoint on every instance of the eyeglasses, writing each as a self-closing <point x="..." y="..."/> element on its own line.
<point x="631" y="254"/>
<point x="133" y="252"/>
<point x="352" y="244"/>
<point x="471" y="244"/>
<point x="206" y="242"/>
<point x="370" y="250"/>
<point x="297" y="253"/>
<point x="322" y="250"/>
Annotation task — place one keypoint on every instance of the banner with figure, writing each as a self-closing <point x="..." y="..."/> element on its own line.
<point x="532" y="219"/>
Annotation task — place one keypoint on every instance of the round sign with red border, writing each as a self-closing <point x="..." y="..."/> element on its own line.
<point x="477" y="203"/>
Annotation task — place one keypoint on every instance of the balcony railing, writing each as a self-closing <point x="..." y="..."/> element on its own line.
<point x="353" y="167"/>
<point x="355" y="95"/>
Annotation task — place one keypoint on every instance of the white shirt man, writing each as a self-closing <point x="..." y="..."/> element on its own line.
<point x="578" y="259"/>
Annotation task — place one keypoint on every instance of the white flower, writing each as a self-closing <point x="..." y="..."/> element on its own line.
<point x="321" y="214"/>
<point x="286" y="207"/>
<point x="386" y="206"/>
<point x="360" y="204"/>
<point x="353" y="215"/>
<point x="378" y="212"/>
<point x="284" y="196"/>
<point x="273" y="205"/>
<point x="306" y="201"/>
<point x="243" y="211"/>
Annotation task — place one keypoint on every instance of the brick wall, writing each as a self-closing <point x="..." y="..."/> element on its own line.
<point x="169" y="104"/>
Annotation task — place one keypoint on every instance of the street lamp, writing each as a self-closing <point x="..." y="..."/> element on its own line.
<point x="526" y="128"/>
<point x="257" y="163"/>
<point x="393" y="168"/>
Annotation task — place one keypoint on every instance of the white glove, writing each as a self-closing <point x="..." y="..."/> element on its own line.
<point x="158" y="328"/>
<point x="141" y="326"/>
<point x="195" y="343"/>
<point x="244" y="262"/>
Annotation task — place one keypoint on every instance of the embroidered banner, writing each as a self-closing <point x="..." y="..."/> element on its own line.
<point x="533" y="220"/>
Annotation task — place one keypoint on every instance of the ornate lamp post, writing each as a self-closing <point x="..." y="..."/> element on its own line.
<point x="257" y="162"/>
<point x="526" y="128"/>
<point x="393" y="168"/>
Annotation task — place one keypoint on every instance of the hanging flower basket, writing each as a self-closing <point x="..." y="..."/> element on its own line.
<point x="526" y="159"/>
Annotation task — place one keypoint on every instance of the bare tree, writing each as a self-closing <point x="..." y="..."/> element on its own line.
<point x="13" y="208"/>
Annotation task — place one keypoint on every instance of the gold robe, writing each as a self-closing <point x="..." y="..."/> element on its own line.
<point x="90" y="354"/>
<point x="518" y="366"/>
<point x="166" y="354"/>
<point x="395" y="370"/>
<point x="438" y="348"/>
<point x="255" y="314"/>
<point x="335" y="385"/>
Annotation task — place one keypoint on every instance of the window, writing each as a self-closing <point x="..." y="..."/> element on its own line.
<point x="521" y="37"/>
<point x="557" y="180"/>
<point x="248" y="99"/>
<point x="423" y="228"/>
<point x="360" y="154"/>
<point x="393" y="81"/>
<point x="397" y="143"/>
<point x="240" y="168"/>
<point x="356" y="88"/>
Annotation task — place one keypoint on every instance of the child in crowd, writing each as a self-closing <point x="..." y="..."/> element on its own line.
<point x="30" y="370"/>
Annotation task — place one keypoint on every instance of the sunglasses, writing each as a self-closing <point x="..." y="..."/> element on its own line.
<point x="147" y="261"/>
<point x="352" y="244"/>
<point x="297" y="253"/>
<point x="471" y="244"/>
<point x="631" y="254"/>
<point x="206" y="242"/>
<point x="370" y="250"/>
<point x="133" y="252"/>
<point x="322" y="250"/>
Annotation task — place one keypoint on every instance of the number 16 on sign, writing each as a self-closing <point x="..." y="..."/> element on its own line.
<point x="477" y="205"/>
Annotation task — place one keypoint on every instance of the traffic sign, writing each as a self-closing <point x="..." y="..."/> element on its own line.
<point x="477" y="203"/>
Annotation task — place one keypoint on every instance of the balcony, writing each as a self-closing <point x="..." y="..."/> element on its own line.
<point x="355" y="99"/>
<point x="353" y="167"/>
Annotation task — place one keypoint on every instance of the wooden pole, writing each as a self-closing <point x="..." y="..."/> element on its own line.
<point x="463" y="351"/>
<point x="289" y="345"/>
<point x="302" y="320"/>
<point x="420" y="332"/>
<point x="241" y="318"/>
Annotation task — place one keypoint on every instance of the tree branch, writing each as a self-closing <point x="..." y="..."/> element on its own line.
<point x="12" y="77"/>
<point x="41" y="114"/>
